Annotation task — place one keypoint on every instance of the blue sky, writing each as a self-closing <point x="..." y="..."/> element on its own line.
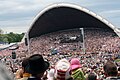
<point x="17" y="15"/>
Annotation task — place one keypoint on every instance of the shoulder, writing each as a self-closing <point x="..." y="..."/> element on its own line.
<point x="25" y="78"/>
<point x="114" y="78"/>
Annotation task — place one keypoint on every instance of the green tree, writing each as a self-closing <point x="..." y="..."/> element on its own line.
<point x="12" y="37"/>
<point x="5" y="40"/>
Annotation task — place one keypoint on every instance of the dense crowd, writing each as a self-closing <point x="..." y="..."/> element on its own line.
<point x="96" y="40"/>
<point x="101" y="47"/>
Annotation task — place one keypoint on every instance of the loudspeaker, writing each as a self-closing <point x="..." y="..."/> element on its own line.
<point x="26" y="43"/>
<point x="13" y="55"/>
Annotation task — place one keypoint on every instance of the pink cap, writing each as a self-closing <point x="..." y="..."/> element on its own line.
<point x="75" y="63"/>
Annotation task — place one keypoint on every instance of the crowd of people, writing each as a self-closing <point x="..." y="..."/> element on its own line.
<point x="102" y="48"/>
<point x="96" y="40"/>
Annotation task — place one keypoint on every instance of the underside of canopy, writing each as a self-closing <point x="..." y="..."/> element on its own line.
<point x="66" y="16"/>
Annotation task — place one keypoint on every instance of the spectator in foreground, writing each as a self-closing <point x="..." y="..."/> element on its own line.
<point x="110" y="70"/>
<point x="4" y="73"/>
<point x="62" y="70"/>
<point x="22" y="74"/>
<point x="92" y="76"/>
<point x="37" y="67"/>
<point x="76" y="72"/>
<point x="118" y="71"/>
<point x="50" y="75"/>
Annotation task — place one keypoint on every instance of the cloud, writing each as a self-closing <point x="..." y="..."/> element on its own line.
<point x="17" y="29"/>
<point x="20" y="13"/>
<point x="16" y="10"/>
<point x="17" y="26"/>
<point x="25" y="8"/>
<point x="112" y="16"/>
<point x="114" y="12"/>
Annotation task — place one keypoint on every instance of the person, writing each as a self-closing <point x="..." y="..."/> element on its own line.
<point x="37" y="67"/>
<point x="92" y="76"/>
<point x="22" y="74"/>
<point x="118" y="71"/>
<point x="110" y="70"/>
<point x="50" y="75"/>
<point x="76" y="72"/>
<point x="62" y="70"/>
<point x="4" y="73"/>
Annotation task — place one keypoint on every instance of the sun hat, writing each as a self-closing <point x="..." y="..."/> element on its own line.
<point x="75" y="63"/>
<point x="37" y="64"/>
<point x="62" y="69"/>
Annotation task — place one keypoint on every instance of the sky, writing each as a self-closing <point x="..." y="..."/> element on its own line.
<point x="17" y="15"/>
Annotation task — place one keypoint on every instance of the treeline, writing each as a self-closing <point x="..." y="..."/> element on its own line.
<point x="10" y="37"/>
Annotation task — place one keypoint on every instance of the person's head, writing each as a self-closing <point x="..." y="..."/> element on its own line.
<point x="62" y="69"/>
<point x="75" y="63"/>
<point x="24" y="64"/>
<point x="92" y="76"/>
<point x="110" y="69"/>
<point x="37" y="65"/>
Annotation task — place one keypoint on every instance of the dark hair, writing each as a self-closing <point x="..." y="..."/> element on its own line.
<point x="25" y="63"/>
<point x="118" y="68"/>
<point x="110" y="68"/>
<point x="92" y="76"/>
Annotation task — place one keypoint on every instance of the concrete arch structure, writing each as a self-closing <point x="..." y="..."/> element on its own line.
<point x="63" y="16"/>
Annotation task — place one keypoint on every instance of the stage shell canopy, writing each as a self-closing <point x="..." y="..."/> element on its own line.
<point x="64" y="16"/>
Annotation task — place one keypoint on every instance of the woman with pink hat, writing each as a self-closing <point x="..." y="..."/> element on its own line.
<point x="76" y="72"/>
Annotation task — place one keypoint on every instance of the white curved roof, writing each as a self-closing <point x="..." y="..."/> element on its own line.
<point x="73" y="6"/>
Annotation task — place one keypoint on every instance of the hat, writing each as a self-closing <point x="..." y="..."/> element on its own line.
<point x="62" y="69"/>
<point x="36" y="64"/>
<point x="75" y="63"/>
